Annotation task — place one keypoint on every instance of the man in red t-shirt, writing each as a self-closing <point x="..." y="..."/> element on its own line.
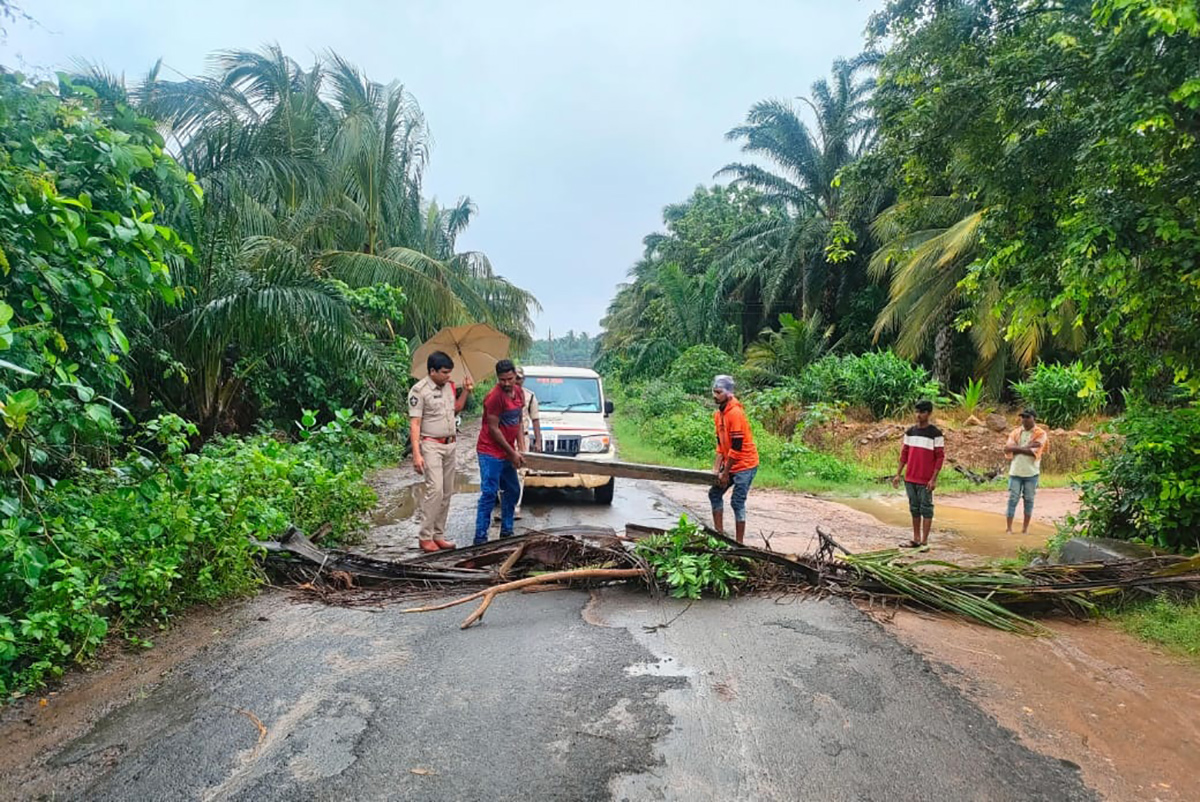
<point x="921" y="459"/>
<point x="499" y="458"/>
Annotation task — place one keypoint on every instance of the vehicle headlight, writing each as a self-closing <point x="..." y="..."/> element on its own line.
<point x="594" y="445"/>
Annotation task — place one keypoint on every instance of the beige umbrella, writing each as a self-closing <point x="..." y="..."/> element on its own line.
<point x="475" y="349"/>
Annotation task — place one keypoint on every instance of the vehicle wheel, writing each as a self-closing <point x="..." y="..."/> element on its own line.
<point x="604" y="493"/>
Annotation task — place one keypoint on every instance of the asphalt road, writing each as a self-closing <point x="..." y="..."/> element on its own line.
<point x="556" y="696"/>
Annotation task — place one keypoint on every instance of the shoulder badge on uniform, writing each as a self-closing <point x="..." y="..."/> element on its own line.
<point x="413" y="400"/>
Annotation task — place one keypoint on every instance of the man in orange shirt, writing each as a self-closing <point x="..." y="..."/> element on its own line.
<point x="737" y="457"/>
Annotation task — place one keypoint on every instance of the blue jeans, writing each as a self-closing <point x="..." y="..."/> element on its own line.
<point x="1019" y="486"/>
<point x="740" y="482"/>
<point x="495" y="475"/>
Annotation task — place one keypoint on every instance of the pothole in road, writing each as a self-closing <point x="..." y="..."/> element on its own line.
<point x="402" y="504"/>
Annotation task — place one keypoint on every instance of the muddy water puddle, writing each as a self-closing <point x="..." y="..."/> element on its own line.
<point x="965" y="530"/>
<point x="402" y="504"/>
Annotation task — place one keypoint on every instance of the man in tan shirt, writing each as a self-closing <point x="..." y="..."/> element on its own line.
<point x="1025" y="447"/>
<point x="433" y="404"/>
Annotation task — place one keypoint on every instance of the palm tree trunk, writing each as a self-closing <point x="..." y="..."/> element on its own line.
<point x="942" y="352"/>
<point x="829" y="296"/>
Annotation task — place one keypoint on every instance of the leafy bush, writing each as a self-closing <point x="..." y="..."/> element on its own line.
<point x="799" y="461"/>
<point x="687" y="434"/>
<point x="1147" y="488"/>
<point x="823" y="380"/>
<point x="689" y="561"/>
<point x="693" y="370"/>
<point x="777" y="408"/>
<point x="1062" y="394"/>
<point x="878" y="381"/>
<point x="885" y="384"/>
<point x="83" y="254"/>
<point x="971" y="396"/>
<point x="115" y="549"/>
<point x="820" y="414"/>
<point x="659" y="397"/>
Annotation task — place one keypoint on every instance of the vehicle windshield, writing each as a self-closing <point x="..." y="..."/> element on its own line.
<point x="558" y="394"/>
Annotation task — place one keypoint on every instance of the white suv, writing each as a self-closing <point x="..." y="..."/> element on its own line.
<point x="574" y="418"/>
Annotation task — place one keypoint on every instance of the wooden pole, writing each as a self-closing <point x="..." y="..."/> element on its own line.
<point x="551" y="463"/>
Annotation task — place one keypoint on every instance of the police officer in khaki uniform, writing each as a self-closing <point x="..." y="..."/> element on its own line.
<point x="433" y="404"/>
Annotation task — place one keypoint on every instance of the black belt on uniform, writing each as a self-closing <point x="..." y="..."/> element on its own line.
<point x="443" y="440"/>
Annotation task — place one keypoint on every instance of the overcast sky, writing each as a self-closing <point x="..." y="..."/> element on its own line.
<point x="570" y="124"/>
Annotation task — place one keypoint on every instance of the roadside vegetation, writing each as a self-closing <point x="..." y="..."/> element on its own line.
<point x="834" y="429"/>
<point x="988" y="208"/>
<point x="1170" y="623"/>
<point x="993" y="206"/>
<point x="209" y="290"/>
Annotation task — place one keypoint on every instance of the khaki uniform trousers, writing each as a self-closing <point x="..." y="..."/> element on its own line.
<point x="439" y="488"/>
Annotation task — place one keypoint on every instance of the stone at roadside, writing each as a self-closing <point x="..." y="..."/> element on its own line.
<point x="1104" y="550"/>
<point x="972" y="421"/>
<point x="997" y="423"/>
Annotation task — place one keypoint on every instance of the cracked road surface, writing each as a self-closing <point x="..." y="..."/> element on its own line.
<point x="557" y="696"/>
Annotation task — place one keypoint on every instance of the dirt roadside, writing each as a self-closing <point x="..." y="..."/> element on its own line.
<point x="1126" y="713"/>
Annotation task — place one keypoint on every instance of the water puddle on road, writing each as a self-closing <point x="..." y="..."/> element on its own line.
<point x="402" y="504"/>
<point x="969" y="531"/>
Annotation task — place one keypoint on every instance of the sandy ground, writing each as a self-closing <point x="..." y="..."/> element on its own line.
<point x="1126" y="713"/>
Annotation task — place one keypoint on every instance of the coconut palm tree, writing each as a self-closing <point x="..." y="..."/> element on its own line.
<point x="311" y="177"/>
<point x="929" y="247"/>
<point x="788" y="249"/>
<point x="797" y="344"/>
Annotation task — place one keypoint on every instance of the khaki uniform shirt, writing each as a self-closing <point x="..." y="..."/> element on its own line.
<point x="434" y="406"/>
<point x="529" y="410"/>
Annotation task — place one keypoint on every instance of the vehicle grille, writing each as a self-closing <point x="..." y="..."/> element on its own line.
<point x="563" y="446"/>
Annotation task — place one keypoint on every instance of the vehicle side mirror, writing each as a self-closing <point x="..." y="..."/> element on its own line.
<point x="608" y="407"/>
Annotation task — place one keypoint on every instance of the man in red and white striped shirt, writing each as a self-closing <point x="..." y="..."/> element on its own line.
<point x="923" y="453"/>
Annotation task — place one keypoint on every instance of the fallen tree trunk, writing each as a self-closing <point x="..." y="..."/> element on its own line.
<point x="542" y="579"/>
<point x="551" y="463"/>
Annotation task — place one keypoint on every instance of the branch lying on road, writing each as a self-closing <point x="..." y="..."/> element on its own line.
<point x="557" y="576"/>
<point x="689" y="560"/>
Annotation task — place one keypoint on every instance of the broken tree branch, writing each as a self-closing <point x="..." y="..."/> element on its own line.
<point x="555" y="576"/>
<point x="510" y="562"/>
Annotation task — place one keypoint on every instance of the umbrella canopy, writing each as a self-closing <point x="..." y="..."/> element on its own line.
<point x="475" y="349"/>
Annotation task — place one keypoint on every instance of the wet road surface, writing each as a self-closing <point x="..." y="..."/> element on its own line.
<point x="562" y="696"/>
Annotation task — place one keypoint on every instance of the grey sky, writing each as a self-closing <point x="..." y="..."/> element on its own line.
<point x="571" y="125"/>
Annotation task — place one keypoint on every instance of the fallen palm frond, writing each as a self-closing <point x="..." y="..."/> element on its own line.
<point x="932" y="589"/>
<point x="689" y="560"/>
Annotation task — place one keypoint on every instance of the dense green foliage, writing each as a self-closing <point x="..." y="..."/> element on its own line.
<point x="689" y="561"/>
<point x="1062" y="394"/>
<point x="878" y="382"/>
<point x="113" y="550"/>
<point x="1003" y="192"/>
<point x="1018" y="179"/>
<point x="83" y="257"/>
<point x="276" y="266"/>
<point x="1148" y="489"/>
<point x="694" y="369"/>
